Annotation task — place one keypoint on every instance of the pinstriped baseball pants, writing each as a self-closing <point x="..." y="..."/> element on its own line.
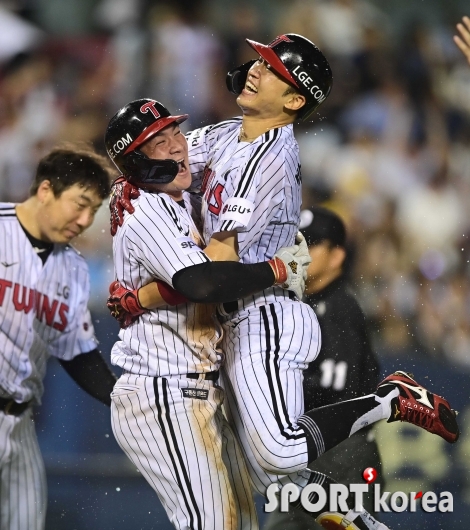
<point x="23" y="487"/>
<point x="267" y="348"/>
<point x="174" y="432"/>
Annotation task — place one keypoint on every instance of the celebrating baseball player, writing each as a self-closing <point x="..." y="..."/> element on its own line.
<point x="44" y="289"/>
<point x="166" y="410"/>
<point x="251" y="188"/>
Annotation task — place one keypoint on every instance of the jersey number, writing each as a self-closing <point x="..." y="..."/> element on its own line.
<point x="333" y="374"/>
<point x="215" y="195"/>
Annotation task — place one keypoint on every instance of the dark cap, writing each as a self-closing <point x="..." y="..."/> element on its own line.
<point x="318" y="224"/>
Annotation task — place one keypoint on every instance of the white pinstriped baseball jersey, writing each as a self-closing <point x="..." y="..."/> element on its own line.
<point x="253" y="188"/>
<point x="155" y="242"/>
<point x="43" y="309"/>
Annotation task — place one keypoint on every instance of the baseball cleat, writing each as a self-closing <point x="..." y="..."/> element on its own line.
<point x="335" y="521"/>
<point x="420" y="407"/>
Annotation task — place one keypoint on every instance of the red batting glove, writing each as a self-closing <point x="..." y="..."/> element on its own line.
<point x="122" y="192"/>
<point x="124" y="304"/>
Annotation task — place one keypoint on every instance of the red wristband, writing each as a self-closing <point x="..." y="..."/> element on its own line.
<point x="279" y="269"/>
<point x="168" y="294"/>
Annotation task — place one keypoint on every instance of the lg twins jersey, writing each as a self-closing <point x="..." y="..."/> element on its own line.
<point x="156" y="241"/>
<point x="43" y="309"/>
<point x="253" y="188"/>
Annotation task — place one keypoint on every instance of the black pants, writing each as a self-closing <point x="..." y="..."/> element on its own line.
<point x="344" y="463"/>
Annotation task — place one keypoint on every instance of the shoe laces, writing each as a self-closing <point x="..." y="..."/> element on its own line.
<point x="418" y="417"/>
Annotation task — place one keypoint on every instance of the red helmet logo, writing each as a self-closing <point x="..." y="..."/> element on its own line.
<point x="150" y="106"/>
<point x="277" y="40"/>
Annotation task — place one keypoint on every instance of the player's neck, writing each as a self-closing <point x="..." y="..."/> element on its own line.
<point x="27" y="213"/>
<point x="253" y="126"/>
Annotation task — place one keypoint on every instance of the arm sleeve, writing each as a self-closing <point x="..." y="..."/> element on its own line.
<point x="222" y="281"/>
<point x="91" y="372"/>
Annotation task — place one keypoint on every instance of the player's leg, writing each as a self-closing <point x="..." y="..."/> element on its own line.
<point x="397" y="398"/>
<point x="265" y="356"/>
<point x="23" y="488"/>
<point x="267" y="349"/>
<point x="344" y="463"/>
<point x="171" y="429"/>
<point x="239" y="477"/>
<point x="262" y="480"/>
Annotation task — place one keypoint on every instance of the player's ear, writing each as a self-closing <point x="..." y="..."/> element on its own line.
<point x="337" y="257"/>
<point x="295" y="101"/>
<point x="44" y="190"/>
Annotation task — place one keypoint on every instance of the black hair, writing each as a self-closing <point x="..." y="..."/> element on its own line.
<point x="68" y="164"/>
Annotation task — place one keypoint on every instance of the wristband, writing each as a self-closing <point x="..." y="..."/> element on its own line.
<point x="279" y="269"/>
<point x="168" y="294"/>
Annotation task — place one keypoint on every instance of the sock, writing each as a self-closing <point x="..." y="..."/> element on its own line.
<point x="325" y="427"/>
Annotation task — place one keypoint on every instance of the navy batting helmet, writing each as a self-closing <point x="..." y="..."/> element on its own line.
<point x="128" y="129"/>
<point x="298" y="61"/>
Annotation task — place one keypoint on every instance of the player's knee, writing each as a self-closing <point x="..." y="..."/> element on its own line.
<point x="276" y="464"/>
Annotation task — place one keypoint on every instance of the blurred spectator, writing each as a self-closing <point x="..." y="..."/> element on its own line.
<point x="186" y="61"/>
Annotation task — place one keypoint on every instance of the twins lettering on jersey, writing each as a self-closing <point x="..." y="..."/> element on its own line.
<point x="52" y="313"/>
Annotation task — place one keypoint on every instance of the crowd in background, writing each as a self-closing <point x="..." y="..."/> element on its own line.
<point x="389" y="150"/>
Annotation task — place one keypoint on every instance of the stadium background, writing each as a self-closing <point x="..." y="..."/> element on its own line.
<point x="389" y="151"/>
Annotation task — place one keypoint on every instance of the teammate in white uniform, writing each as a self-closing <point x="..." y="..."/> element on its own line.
<point x="44" y="289"/>
<point x="166" y="410"/>
<point x="251" y="190"/>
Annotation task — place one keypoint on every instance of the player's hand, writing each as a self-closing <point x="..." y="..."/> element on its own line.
<point x="290" y="266"/>
<point x="122" y="192"/>
<point x="124" y="304"/>
<point x="463" y="41"/>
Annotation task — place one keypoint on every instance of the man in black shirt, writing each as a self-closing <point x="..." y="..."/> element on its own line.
<point x="346" y="366"/>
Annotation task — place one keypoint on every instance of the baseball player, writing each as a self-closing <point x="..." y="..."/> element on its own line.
<point x="44" y="289"/>
<point x="251" y="188"/>
<point x="166" y="406"/>
<point x="346" y="366"/>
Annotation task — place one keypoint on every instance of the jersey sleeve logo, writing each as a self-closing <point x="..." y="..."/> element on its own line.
<point x="187" y="245"/>
<point x="237" y="209"/>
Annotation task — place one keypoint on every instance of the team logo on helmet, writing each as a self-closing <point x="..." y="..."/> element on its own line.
<point x="277" y="40"/>
<point x="150" y="106"/>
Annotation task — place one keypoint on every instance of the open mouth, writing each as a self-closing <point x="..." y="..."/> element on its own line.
<point x="181" y="166"/>
<point x="250" y="87"/>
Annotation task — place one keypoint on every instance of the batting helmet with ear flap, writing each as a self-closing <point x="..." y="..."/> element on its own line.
<point x="299" y="62"/>
<point x="128" y="129"/>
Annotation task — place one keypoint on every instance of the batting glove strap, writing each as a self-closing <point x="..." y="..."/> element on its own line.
<point x="295" y="260"/>
<point x="122" y="192"/>
<point x="279" y="269"/>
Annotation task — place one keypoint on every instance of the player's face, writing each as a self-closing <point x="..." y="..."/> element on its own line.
<point x="170" y="143"/>
<point x="326" y="265"/>
<point x="67" y="216"/>
<point x="263" y="95"/>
